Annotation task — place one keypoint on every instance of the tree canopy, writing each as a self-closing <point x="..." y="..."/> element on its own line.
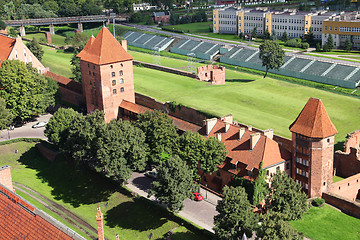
<point x="35" y="48"/>
<point x="286" y="197"/>
<point x="5" y="115"/>
<point x="215" y="154"/>
<point x="25" y="92"/>
<point x="173" y="184"/>
<point x="271" y="55"/>
<point x="347" y="45"/>
<point x="284" y="37"/>
<point x="236" y="215"/>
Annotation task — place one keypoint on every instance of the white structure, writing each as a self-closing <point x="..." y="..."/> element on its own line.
<point x="143" y="7"/>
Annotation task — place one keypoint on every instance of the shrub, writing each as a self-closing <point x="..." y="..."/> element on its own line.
<point x="317" y="202"/>
<point x="305" y="45"/>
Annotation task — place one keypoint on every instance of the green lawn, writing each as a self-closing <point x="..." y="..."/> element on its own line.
<point x="337" y="178"/>
<point x="81" y="191"/>
<point x="327" y="223"/>
<point x="57" y="61"/>
<point x="264" y="103"/>
<point x="195" y="28"/>
<point x="56" y="39"/>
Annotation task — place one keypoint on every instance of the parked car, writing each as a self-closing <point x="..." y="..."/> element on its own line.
<point x="39" y="125"/>
<point x="151" y="174"/>
<point x="197" y="196"/>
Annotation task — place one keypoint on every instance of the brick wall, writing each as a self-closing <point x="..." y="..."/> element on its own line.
<point x="350" y="207"/>
<point x="166" y="69"/>
<point x="352" y="141"/>
<point x="346" y="165"/>
<point x="347" y="188"/>
<point x="211" y="73"/>
<point x="5" y="177"/>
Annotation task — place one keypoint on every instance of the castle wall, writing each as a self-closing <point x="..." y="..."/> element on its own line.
<point x="211" y="73"/>
<point x="349" y="207"/>
<point x="352" y="141"/>
<point x="347" y="188"/>
<point x="345" y="164"/>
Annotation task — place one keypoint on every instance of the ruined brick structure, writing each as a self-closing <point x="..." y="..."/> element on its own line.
<point x="313" y="148"/>
<point x="107" y="74"/>
<point x="214" y="74"/>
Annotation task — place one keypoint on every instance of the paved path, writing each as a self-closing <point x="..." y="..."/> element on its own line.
<point x="201" y="213"/>
<point x="26" y="131"/>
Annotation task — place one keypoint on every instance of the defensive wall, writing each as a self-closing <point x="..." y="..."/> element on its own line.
<point x="165" y="69"/>
<point x="349" y="207"/>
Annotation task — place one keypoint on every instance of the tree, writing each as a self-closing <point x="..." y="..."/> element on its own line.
<point x="260" y="186"/>
<point x="161" y="135"/>
<point x="173" y="184"/>
<point x="273" y="35"/>
<point x="253" y="32"/>
<point x="309" y="37"/>
<point x="51" y="5"/>
<point x="347" y="45"/>
<point x="267" y="34"/>
<point x="75" y="65"/>
<point x="5" y="115"/>
<point x="318" y="47"/>
<point x="241" y="35"/>
<point x="78" y="40"/>
<point x="25" y="92"/>
<point x="191" y="149"/>
<point x="329" y="44"/>
<point x="90" y="8"/>
<point x="57" y="129"/>
<point x="286" y="197"/>
<point x="284" y="37"/>
<point x="236" y="215"/>
<point x="271" y="55"/>
<point x="215" y="154"/>
<point x="274" y="227"/>
<point x="68" y="8"/>
<point x="2" y="25"/>
<point x="35" y="48"/>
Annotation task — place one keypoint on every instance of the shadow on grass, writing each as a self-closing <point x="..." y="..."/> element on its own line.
<point x="143" y="183"/>
<point x="239" y="80"/>
<point x="138" y="215"/>
<point x="74" y="185"/>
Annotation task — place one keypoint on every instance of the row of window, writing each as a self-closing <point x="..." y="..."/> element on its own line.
<point x="302" y="161"/>
<point x="253" y="25"/>
<point x="281" y="20"/>
<point x="226" y="16"/>
<point x="121" y="90"/>
<point x="114" y="81"/>
<point x="227" y="22"/>
<point x="112" y="66"/>
<point x="120" y="73"/>
<point x="302" y="184"/>
<point x="227" y="29"/>
<point x="254" y="18"/>
<point x="294" y="28"/>
<point x="318" y="22"/>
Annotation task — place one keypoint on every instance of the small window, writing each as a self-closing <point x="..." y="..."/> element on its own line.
<point x="120" y="72"/>
<point x="113" y="82"/>
<point x="93" y="73"/>
<point x="324" y="183"/>
<point x="88" y="65"/>
<point x="122" y="89"/>
<point x="114" y="91"/>
<point x="90" y="83"/>
<point x="267" y="173"/>
<point x="328" y="140"/>
<point x="113" y="74"/>
<point x="287" y="165"/>
<point x="121" y="65"/>
<point x="111" y="66"/>
<point x="94" y="67"/>
<point x="121" y="80"/>
<point x="89" y="72"/>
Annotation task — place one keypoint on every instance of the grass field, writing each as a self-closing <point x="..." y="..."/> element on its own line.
<point x="327" y="223"/>
<point x="337" y="178"/>
<point x="57" y="40"/>
<point x="81" y="191"/>
<point x="57" y="61"/>
<point x="264" y="103"/>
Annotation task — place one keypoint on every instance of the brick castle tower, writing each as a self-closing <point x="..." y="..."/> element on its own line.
<point x="107" y="74"/>
<point x="313" y="148"/>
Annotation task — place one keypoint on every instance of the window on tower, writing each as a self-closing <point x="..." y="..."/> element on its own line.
<point x="121" y="72"/>
<point x="113" y="74"/>
<point x="113" y="82"/>
<point x="122" y="89"/>
<point x="121" y="80"/>
<point x="114" y="91"/>
<point x="111" y="66"/>
<point x="121" y="64"/>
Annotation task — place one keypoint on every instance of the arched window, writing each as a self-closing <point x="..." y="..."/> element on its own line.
<point x="114" y="91"/>
<point x="122" y="89"/>
<point x="121" y="80"/>
<point x="121" y="72"/>
<point x="113" y="82"/>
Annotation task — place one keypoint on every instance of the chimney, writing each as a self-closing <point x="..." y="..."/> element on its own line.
<point x="228" y="118"/>
<point x="218" y="136"/>
<point x="210" y="124"/>
<point x="241" y="132"/>
<point x="254" y="138"/>
<point x="227" y="127"/>
<point x="269" y="133"/>
<point x="250" y="128"/>
<point x="100" y="224"/>
<point x="5" y="177"/>
<point x="124" y="44"/>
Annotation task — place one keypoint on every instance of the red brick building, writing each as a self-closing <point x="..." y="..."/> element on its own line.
<point x="214" y="74"/>
<point x="161" y="17"/>
<point x="313" y="148"/>
<point x="107" y="74"/>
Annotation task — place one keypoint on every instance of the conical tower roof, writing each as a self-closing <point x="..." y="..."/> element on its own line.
<point x="104" y="49"/>
<point x="313" y="121"/>
<point x="87" y="47"/>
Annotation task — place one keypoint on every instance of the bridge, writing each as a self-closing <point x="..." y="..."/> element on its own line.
<point x="62" y="20"/>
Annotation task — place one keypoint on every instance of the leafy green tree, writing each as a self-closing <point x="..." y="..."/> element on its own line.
<point x="273" y="35"/>
<point x="318" y="47"/>
<point x="25" y="11"/>
<point x="253" y="32"/>
<point x="347" y="45"/>
<point x="89" y="7"/>
<point x="191" y="148"/>
<point x="274" y="227"/>
<point x="25" y="92"/>
<point x="68" y="8"/>
<point x="260" y="187"/>
<point x="35" y="48"/>
<point x="57" y="129"/>
<point x="2" y="25"/>
<point x="285" y="37"/>
<point x="271" y="55"/>
<point x="75" y="65"/>
<point x="236" y="215"/>
<point x="173" y="184"/>
<point x="286" y="197"/>
<point x="161" y="135"/>
<point x="10" y="10"/>
<point x="267" y="34"/>
<point x="329" y="44"/>
<point x="241" y="35"/>
<point x="309" y="37"/>
<point x="78" y="40"/>
<point x="215" y="154"/>
<point x="51" y="5"/>
<point x="5" y="115"/>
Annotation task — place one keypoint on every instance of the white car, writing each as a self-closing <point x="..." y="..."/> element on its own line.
<point x="151" y="174"/>
<point x="39" y="125"/>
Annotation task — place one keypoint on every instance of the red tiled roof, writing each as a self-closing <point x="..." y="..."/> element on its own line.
<point x="180" y="124"/>
<point x="19" y="220"/>
<point x="266" y="150"/>
<point x="313" y="121"/>
<point x="104" y="49"/>
<point x="6" y="45"/>
<point x="66" y="82"/>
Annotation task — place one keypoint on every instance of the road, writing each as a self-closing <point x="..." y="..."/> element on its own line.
<point x="26" y="131"/>
<point x="201" y="213"/>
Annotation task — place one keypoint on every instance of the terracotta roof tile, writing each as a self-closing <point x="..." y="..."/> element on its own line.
<point x="17" y="222"/>
<point x="104" y="49"/>
<point x="86" y="47"/>
<point x="6" y="45"/>
<point x="313" y="121"/>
